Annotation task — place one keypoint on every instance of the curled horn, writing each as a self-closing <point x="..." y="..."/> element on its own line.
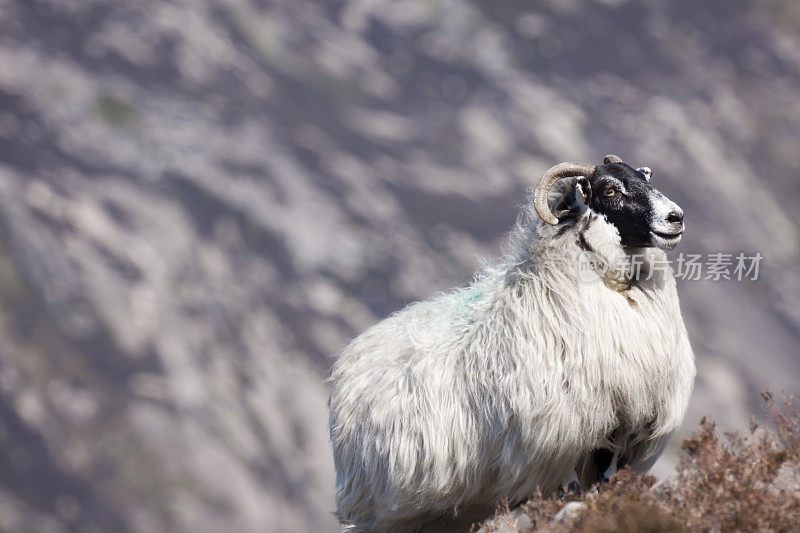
<point x="549" y="178"/>
<point x="611" y="158"/>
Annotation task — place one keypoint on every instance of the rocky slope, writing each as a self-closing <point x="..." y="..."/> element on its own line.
<point x="202" y="201"/>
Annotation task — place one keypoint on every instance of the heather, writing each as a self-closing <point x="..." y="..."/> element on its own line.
<point x="743" y="481"/>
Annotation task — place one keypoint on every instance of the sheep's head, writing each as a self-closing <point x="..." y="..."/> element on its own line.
<point x="640" y="212"/>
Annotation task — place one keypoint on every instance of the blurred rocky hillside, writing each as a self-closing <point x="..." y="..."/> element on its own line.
<point x="202" y="201"/>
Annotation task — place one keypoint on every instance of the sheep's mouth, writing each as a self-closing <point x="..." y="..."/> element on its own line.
<point x="666" y="241"/>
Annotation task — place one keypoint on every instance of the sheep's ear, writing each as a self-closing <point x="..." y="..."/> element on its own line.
<point x="569" y="197"/>
<point x="563" y="198"/>
<point x="583" y="191"/>
<point x="646" y="171"/>
<point x="574" y="201"/>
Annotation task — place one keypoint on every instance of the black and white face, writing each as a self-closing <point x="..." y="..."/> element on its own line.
<point x="641" y="213"/>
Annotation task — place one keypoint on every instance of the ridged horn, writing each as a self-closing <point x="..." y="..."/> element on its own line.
<point x="611" y="158"/>
<point x="549" y="178"/>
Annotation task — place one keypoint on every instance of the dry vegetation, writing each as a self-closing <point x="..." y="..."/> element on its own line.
<point x="724" y="482"/>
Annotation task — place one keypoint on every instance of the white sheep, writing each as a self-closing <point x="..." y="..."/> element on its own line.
<point x="533" y="375"/>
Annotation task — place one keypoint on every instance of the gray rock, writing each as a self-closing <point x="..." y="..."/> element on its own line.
<point x="570" y="512"/>
<point x="511" y="522"/>
<point x="787" y="479"/>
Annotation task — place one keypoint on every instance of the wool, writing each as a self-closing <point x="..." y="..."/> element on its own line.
<point x="487" y="392"/>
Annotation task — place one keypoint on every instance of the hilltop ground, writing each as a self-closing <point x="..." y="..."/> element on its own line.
<point x="724" y="482"/>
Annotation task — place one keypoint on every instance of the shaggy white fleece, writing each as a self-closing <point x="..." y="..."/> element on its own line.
<point x="487" y="392"/>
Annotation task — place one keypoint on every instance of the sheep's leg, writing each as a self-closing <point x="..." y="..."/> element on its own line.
<point x="606" y="465"/>
<point x="571" y="485"/>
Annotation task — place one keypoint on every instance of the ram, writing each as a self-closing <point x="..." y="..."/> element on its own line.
<point x="558" y="363"/>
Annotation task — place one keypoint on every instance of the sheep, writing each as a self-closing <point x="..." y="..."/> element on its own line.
<point x="531" y="376"/>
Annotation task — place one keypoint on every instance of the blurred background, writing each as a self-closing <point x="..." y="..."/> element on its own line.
<point x="202" y="201"/>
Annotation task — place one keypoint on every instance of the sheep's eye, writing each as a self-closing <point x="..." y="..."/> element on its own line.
<point x="610" y="192"/>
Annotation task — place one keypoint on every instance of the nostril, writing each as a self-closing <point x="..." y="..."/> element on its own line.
<point x="675" y="216"/>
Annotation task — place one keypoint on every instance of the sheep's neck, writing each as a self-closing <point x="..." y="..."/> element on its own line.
<point x="619" y="268"/>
